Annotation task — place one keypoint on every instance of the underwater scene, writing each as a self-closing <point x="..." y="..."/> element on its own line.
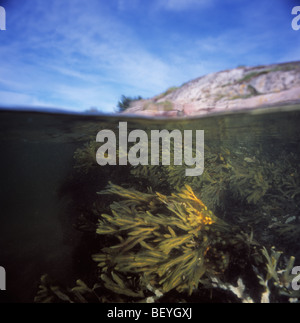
<point x="73" y="231"/>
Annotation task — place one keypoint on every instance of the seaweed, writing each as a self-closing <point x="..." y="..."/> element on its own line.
<point x="163" y="235"/>
<point x="85" y="157"/>
<point x="173" y="246"/>
<point x="277" y="281"/>
<point x="52" y="292"/>
<point x="243" y="183"/>
<point x="155" y="244"/>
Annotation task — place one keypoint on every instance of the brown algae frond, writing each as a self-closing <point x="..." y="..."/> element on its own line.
<point x="170" y="241"/>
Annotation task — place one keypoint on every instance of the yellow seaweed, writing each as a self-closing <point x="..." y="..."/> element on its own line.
<point x="167" y="245"/>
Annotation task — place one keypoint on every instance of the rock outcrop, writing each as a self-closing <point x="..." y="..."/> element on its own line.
<point x="239" y="88"/>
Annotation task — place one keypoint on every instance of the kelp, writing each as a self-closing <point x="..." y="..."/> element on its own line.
<point x="231" y="172"/>
<point x="277" y="281"/>
<point x="173" y="246"/>
<point x="156" y="244"/>
<point x="246" y="185"/>
<point x="52" y="292"/>
<point x="164" y="233"/>
<point x="85" y="157"/>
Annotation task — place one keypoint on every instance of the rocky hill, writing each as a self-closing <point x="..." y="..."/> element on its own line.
<point x="235" y="89"/>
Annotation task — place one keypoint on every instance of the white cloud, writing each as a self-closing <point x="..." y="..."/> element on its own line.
<point x="82" y="63"/>
<point x="178" y="5"/>
<point x="14" y="99"/>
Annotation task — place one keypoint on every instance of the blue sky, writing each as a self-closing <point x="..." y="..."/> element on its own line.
<point x="76" y="54"/>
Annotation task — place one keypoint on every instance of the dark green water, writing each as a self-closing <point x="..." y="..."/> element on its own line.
<point x="251" y="181"/>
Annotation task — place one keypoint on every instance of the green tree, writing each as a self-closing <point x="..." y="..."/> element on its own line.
<point x="125" y="101"/>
